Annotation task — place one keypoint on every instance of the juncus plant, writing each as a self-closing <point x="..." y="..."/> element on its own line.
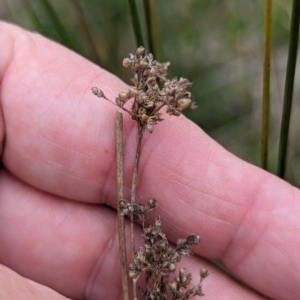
<point x="156" y="259"/>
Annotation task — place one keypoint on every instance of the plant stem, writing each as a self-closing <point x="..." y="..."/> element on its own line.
<point x="121" y="221"/>
<point x="58" y="26"/>
<point x="91" y="49"/>
<point x="288" y="89"/>
<point x="266" y="86"/>
<point x="133" y="195"/>
<point x="149" y="16"/>
<point x="136" y="23"/>
<point x="35" y="21"/>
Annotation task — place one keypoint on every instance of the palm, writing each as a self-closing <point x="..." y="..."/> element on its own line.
<point x="59" y="163"/>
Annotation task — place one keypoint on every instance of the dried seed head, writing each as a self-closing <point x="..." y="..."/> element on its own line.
<point x="123" y="96"/>
<point x="184" y="279"/>
<point x="152" y="203"/>
<point x="184" y="103"/>
<point x="193" y="239"/>
<point x="140" y="51"/>
<point x="96" y="91"/>
<point x="204" y="273"/>
<point x="152" y="91"/>
<point x="171" y="267"/>
<point x="126" y="62"/>
<point x="132" y="91"/>
<point x="173" y="287"/>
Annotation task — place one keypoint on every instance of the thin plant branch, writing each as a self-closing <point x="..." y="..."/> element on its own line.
<point x="121" y="221"/>
<point x="136" y="23"/>
<point x="134" y="182"/>
<point x="133" y="196"/>
<point x="288" y="89"/>
<point x="266" y="86"/>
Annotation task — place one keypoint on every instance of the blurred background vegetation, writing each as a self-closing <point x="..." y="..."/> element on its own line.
<point x="218" y="45"/>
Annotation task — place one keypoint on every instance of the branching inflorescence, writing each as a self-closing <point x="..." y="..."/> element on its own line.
<point x="156" y="259"/>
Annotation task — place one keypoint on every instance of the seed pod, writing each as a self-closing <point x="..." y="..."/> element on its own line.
<point x="140" y="51"/>
<point x="123" y="96"/>
<point x="204" y="273"/>
<point x="96" y="91"/>
<point x="184" y="103"/>
<point x="126" y="62"/>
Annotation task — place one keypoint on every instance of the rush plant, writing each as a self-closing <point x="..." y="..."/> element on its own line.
<point x="156" y="260"/>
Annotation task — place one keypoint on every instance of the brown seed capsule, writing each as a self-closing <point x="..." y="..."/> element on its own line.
<point x="171" y="267"/>
<point x="144" y="118"/>
<point x="152" y="203"/>
<point x="143" y="64"/>
<point x="193" y="239"/>
<point x="183" y="276"/>
<point x="140" y="51"/>
<point x="96" y="91"/>
<point x="132" y="92"/>
<point x="123" y="96"/>
<point x="149" y="104"/>
<point x="173" y="286"/>
<point x="204" y="273"/>
<point x="126" y="62"/>
<point x="184" y="103"/>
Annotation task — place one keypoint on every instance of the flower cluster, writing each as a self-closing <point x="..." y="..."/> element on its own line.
<point x="149" y="97"/>
<point x="157" y="260"/>
<point x="151" y="91"/>
<point x="139" y="210"/>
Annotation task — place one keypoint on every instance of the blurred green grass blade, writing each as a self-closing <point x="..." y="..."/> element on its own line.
<point x="32" y="16"/>
<point x="8" y="10"/>
<point x="266" y="86"/>
<point x="136" y="23"/>
<point x="288" y="89"/>
<point x="153" y="29"/>
<point x="89" y="44"/>
<point x="58" y="26"/>
<point x="149" y="25"/>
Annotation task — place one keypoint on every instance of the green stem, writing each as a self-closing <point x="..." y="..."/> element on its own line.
<point x="149" y="16"/>
<point x="266" y="86"/>
<point x="89" y="44"/>
<point x="136" y="23"/>
<point x="58" y="26"/>
<point x="32" y="16"/>
<point x="288" y="89"/>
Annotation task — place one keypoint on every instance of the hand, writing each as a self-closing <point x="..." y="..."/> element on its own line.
<point x="59" y="164"/>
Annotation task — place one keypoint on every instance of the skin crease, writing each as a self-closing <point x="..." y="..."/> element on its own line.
<point x="58" y="189"/>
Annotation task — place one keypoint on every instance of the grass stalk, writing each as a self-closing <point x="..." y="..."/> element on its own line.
<point x="121" y="220"/>
<point x="91" y="48"/>
<point x="58" y="26"/>
<point x="37" y="25"/>
<point x="266" y="86"/>
<point x="149" y="25"/>
<point x="8" y="11"/>
<point x="136" y="23"/>
<point x="288" y="89"/>
<point x="133" y="197"/>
